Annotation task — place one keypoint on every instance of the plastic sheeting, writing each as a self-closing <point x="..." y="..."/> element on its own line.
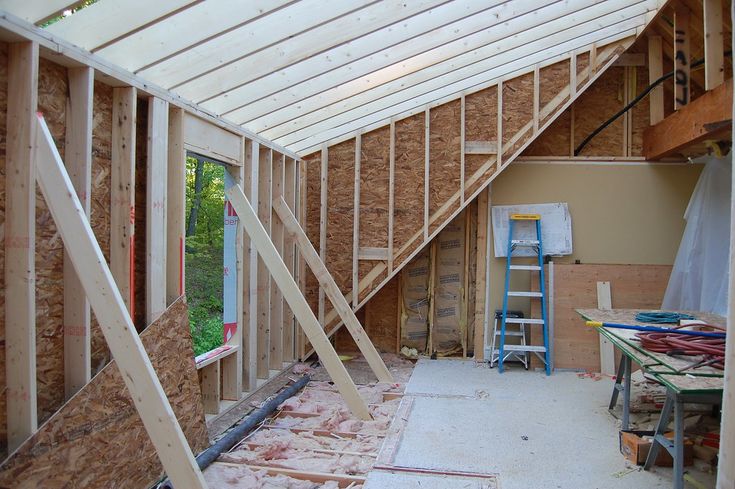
<point x="699" y="279"/>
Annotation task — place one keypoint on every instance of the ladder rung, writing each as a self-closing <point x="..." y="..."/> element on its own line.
<point x="525" y="267"/>
<point x="540" y="349"/>
<point x="524" y="242"/>
<point x="517" y="293"/>
<point x="523" y="320"/>
<point x="509" y="333"/>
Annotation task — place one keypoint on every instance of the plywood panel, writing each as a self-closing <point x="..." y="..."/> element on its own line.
<point x="141" y="187"/>
<point x="340" y="205"/>
<point x="409" y="191"/>
<point x="577" y="346"/>
<point x="3" y="127"/>
<point x="554" y="141"/>
<point x="597" y="104"/>
<point x="517" y="111"/>
<point x="552" y="80"/>
<point x="97" y="440"/>
<point x="444" y="157"/>
<point x="481" y="114"/>
<point x="52" y="94"/>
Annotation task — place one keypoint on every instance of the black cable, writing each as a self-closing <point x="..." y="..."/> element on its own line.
<point x="632" y="103"/>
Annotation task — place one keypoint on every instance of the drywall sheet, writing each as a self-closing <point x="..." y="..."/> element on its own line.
<point x="97" y="440"/>
<point x="556" y="228"/>
<point x="415" y="303"/>
<point x="449" y="321"/>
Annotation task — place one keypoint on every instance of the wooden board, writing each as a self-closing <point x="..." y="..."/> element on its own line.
<point x="517" y="111"/>
<point x="97" y="438"/>
<point x="340" y="217"/>
<point x="576" y="346"/>
<point x="409" y="194"/>
<point x="481" y="114"/>
<point x="595" y="106"/>
<point x="444" y="157"/>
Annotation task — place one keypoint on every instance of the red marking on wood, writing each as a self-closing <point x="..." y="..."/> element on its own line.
<point x="181" y="265"/>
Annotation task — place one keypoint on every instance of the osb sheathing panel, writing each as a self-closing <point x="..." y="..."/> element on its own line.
<point x="552" y="80"/>
<point x="139" y="260"/>
<point x="640" y="113"/>
<point x="597" y="104"/>
<point x="575" y="287"/>
<point x="3" y="134"/>
<point x="583" y="62"/>
<point x="445" y="148"/>
<point x="374" y="189"/>
<point x="52" y="93"/>
<point x="554" y="141"/>
<point x="408" y="218"/>
<point x="517" y="111"/>
<point x="313" y="191"/>
<point x="97" y="439"/>
<point x="481" y="124"/>
<point x="101" y="200"/>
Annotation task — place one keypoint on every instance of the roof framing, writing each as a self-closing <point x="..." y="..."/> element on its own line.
<point x="301" y="74"/>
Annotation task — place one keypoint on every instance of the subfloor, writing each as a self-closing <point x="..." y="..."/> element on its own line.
<point x="464" y="425"/>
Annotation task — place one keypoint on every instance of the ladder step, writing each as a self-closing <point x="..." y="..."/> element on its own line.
<point x="509" y="333"/>
<point x="524" y="242"/>
<point x="523" y="320"/>
<point x="525" y="267"/>
<point x="539" y="349"/>
<point x="517" y="293"/>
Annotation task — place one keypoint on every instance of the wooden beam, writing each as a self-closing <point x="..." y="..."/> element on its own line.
<point x="275" y="360"/>
<point x="299" y="306"/>
<point x="156" y="168"/>
<point x="251" y="152"/>
<point x="122" y="183"/>
<point x="391" y="191"/>
<point x="682" y="57"/>
<point x="289" y="255"/>
<point x="714" y="45"/>
<point x="707" y="117"/>
<point x="481" y="284"/>
<point x="323" y="222"/>
<point x="127" y="350"/>
<point x="462" y="143"/>
<point x="536" y="98"/>
<point x="356" y="224"/>
<point x="265" y="162"/>
<point x="20" y="244"/>
<point x="326" y="281"/>
<point x="655" y="71"/>
<point x="607" y="351"/>
<point x="78" y="152"/>
<point x="232" y="366"/>
<point x="175" y="206"/>
<point x="427" y="171"/>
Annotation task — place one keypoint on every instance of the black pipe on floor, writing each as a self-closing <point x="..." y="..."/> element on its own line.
<point x="249" y="422"/>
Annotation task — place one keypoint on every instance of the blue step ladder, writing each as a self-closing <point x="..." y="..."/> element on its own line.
<point x="542" y="352"/>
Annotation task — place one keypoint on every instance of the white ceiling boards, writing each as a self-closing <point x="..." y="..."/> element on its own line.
<point x="301" y="74"/>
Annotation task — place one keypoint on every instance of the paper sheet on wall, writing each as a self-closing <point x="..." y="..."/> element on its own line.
<point x="556" y="228"/>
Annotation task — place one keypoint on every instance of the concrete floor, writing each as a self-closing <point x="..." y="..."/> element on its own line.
<point x="526" y="429"/>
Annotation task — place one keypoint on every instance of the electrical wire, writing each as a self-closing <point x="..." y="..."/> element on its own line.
<point x="632" y="103"/>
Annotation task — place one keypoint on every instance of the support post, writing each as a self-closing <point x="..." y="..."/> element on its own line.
<point x="127" y="350"/>
<point x="175" y="206"/>
<point x="391" y="192"/>
<point x="714" y="44"/>
<point x="655" y="71"/>
<point x="356" y="225"/>
<point x="265" y="162"/>
<point x="20" y="244"/>
<point x="275" y="359"/>
<point x="299" y="306"/>
<point x="78" y="151"/>
<point x="682" y="69"/>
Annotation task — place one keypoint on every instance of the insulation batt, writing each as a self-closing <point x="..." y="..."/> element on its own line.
<point x="226" y="476"/>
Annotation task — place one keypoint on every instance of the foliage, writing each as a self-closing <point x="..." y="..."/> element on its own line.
<point x="204" y="255"/>
<point x="68" y="12"/>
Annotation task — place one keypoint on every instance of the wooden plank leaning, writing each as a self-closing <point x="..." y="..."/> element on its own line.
<point x="305" y="316"/>
<point x="107" y="303"/>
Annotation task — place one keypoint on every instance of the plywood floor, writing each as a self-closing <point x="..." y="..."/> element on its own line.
<point x="517" y="430"/>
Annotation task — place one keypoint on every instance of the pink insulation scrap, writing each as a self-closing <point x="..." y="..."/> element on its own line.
<point x="308" y="441"/>
<point x="289" y="458"/>
<point x="227" y="476"/>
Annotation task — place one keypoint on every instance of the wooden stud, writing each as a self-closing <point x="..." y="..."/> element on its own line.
<point x="427" y="172"/>
<point x="573" y="74"/>
<point x="462" y="143"/>
<point x="123" y="340"/>
<point x="264" y="182"/>
<point x="289" y="195"/>
<point x="607" y="351"/>
<point x="536" y="98"/>
<point x="593" y="59"/>
<point x="20" y="244"/>
<point x="626" y="116"/>
<point x="157" y="166"/>
<point x="301" y="200"/>
<point x="326" y="281"/>
<point x="682" y="69"/>
<point x="210" y="384"/>
<point x="714" y="44"/>
<point x="391" y="191"/>
<point x="655" y="71"/>
<point x="464" y="302"/>
<point x="572" y="146"/>
<point x="499" y="132"/>
<point x="299" y="306"/>
<point x="175" y="206"/>
<point x="323" y="223"/>
<point x="251" y="152"/>
<point x="78" y="152"/>
<point x="122" y="189"/>
<point x="275" y="360"/>
<point x="482" y="258"/>
<point x="356" y="224"/>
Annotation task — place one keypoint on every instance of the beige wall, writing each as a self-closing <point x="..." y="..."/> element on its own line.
<point x="622" y="214"/>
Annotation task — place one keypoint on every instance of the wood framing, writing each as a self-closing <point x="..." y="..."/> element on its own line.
<point x="332" y="291"/>
<point x="356" y="224"/>
<point x="289" y="257"/>
<point x="78" y="152"/>
<point x="607" y="351"/>
<point x="20" y="244"/>
<point x="714" y="44"/>
<point x="264" y="182"/>
<point x="391" y="191"/>
<point x="427" y="170"/>
<point x="275" y="359"/>
<point x="655" y="71"/>
<point x="707" y="117"/>
<point x="323" y="223"/>
<point x="682" y="57"/>
<point x="106" y="301"/>
<point x="122" y="213"/>
<point x="157" y="170"/>
<point x="481" y="285"/>
<point x="251" y="158"/>
<point x="175" y="206"/>
<point x="298" y="304"/>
